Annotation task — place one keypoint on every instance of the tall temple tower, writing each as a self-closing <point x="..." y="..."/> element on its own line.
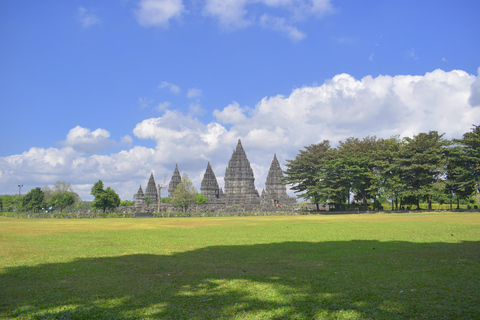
<point x="239" y="179"/>
<point x="209" y="187"/>
<point x="275" y="189"/>
<point x="176" y="179"/>
<point x="139" y="198"/>
<point x="151" y="191"/>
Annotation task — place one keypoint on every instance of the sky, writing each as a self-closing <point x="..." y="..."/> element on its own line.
<point x="115" y="90"/>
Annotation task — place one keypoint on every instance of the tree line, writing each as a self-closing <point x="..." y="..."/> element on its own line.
<point x="62" y="196"/>
<point x="404" y="172"/>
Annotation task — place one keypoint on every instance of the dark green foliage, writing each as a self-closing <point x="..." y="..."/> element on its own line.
<point x="302" y="172"/>
<point x="104" y="199"/>
<point x="34" y="200"/>
<point x="148" y="200"/>
<point x="422" y="164"/>
<point x="422" y="168"/>
<point x="8" y="203"/>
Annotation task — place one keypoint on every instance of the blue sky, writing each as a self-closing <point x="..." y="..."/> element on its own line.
<point x="114" y="90"/>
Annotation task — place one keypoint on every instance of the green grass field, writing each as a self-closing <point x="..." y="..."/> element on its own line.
<point x="370" y="266"/>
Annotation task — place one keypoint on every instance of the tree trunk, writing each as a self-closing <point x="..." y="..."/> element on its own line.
<point x="451" y="201"/>
<point x="458" y="203"/>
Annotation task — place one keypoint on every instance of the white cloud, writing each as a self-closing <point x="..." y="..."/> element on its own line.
<point x="158" y="13"/>
<point x="87" y="18"/>
<point x="195" y="109"/>
<point x="231" y="114"/>
<point x="230" y="13"/>
<point x="162" y="106"/>
<point x="234" y="14"/>
<point x="280" y="24"/>
<point x="126" y="141"/>
<point x="172" y="87"/>
<point x="83" y="140"/>
<point x="194" y="93"/>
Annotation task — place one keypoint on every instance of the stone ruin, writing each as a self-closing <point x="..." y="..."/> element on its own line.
<point x="240" y="192"/>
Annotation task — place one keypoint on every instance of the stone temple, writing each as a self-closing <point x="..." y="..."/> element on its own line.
<point x="239" y="186"/>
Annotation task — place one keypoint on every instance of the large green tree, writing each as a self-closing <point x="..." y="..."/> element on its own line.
<point x="34" y="200"/>
<point x="104" y="199"/>
<point x="422" y="164"/>
<point x="302" y="172"/>
<point x="390" y="182"/>
<point x="471" y="146"/>
<point x="185" y="194"/>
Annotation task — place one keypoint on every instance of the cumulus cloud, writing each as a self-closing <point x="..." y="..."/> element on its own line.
<point x="339" y="108"/>
<point x="158" y="13"/>
<point x="231" y="114"/>
<point x="83" y="140"/>
<point x="172" y="87"/>
<point x="87" y="18"/>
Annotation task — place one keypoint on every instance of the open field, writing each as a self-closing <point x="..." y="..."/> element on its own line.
<point x="369" y="266"/>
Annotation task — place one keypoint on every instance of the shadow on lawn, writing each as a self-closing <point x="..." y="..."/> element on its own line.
<point x="349" y="279"/>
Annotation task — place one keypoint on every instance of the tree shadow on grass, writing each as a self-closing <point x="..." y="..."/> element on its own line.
<point x="294" y="280"/>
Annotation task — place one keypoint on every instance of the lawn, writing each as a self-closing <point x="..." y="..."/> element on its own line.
<point x="368" y="266"/>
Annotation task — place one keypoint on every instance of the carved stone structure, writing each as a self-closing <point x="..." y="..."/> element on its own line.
<point x="275" y="190"/>
<point x="240" y="192"/>
<point x="209" y="187"/>
<point x="239" y="179"/>
<point x="151" y="191"/>
<point x="176" y="179"/>
<point x="139" y="198"/>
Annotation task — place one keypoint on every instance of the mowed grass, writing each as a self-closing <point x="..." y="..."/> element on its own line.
<point x="369" y="266"/>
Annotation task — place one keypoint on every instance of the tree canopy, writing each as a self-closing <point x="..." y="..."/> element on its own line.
<point x="104" y="199"/>
<point x="185" y="194"/>
<point x="419" y="168"/>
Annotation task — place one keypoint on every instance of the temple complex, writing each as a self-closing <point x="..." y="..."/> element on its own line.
<point x="239" y="187"/>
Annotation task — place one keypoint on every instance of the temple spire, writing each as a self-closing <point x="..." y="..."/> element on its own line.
<point x="174" y="182"/>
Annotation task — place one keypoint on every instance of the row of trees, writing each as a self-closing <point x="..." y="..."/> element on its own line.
<point x="39" y="199"/>
<point x="61" y="196"/>
<point x="404" y="171"/>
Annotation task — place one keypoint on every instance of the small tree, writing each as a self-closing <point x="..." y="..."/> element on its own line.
<point x="201" y="199"/>
<point x="127" y="203"/>
<point x="34" y="200"/>
<point x="185" y="194"/>
<point x="165" y="200"/>
<point x="62" y="200"/>
<point x="104" y="199"/>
